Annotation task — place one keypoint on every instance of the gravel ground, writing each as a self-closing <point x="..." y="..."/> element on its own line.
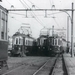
<point x="46" y="69"/>
<point x="17" y="61"/>
<point x="58" y="70"/>
<point x="29" y="65"/>
<point x="25" y="65"/>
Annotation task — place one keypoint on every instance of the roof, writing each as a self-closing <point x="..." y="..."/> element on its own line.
<point x="23" y="35"/>
<point x="19" y="34"/>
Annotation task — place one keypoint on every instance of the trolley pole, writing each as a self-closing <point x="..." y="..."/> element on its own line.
<point x="72" y="54"/>
<point x="52" y="30"/>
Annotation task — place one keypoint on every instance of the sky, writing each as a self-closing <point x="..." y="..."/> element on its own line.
<point x="36" y="20"/>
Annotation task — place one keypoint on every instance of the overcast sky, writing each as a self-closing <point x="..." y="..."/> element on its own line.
<point x="17" y="19"/>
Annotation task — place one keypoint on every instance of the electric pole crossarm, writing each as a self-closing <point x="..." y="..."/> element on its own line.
<point x="41" y="9"/>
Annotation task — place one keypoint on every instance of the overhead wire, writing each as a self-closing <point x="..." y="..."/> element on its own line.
<point x="55" y="18"/>
<point x="29" y="7"/>
<point x="33" y="14"/>
<point x="53" y="15"/>
<point x="50" y="3"/>
<point x="23" y="14"/>
<point x="57" y="23"/>
<point x="15" y="19"/>
<point x="35" y="18"/>
<point x="35" y="5"/>
<point x="8" y="2"/>
<point x="22" y="4"/>
<point x="12" y="6"/>
<point x="13" y="13"/>
<point x="32" y="3"/>
<point x="11" y="16"/>
<point x="26" y="4"/>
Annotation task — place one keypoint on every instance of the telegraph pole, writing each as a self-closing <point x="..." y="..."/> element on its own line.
<point x="72" y="54"/>
<point x="68" y="33"/>
<point x="67" y="29"/>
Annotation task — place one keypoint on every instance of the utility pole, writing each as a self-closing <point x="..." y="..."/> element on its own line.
<point x="67" y="28"/>
<point x="68" y="33"/>
<point x="72" y="54"/>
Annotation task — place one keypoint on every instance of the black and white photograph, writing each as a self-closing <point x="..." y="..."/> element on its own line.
<point x="37" y="37"/>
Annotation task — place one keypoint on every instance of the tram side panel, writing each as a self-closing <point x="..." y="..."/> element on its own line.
<point x="3" y="50"/>
<point x="3" y="39"/>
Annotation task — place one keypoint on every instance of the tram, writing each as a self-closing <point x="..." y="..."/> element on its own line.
<point x="3" y="39"/>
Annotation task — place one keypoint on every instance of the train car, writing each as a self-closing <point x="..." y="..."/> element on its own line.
<point x="3" y="39"/>
<point x="21" y="44"/>
<point x="41" y="41"/>
<point x="50" y="46"/>
<point x="59" y="45"/>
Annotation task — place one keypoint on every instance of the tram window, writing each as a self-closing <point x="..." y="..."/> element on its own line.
<point x="19" y="41"/>
<point x="16" y="40"/>
<point x="55" y="42"/>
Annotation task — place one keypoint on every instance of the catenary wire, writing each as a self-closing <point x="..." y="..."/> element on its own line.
<point x="22" y="4"/>
<point x="33" y="14"/>
<point x="8" y="2"/>
<point x="33" y="3"/>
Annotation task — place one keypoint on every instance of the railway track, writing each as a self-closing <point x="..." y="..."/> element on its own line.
<point x="58" y="67"/>
<point x="34" y="68"/>
<point x="43" y="70"/>
<point x="53" y="66"/>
